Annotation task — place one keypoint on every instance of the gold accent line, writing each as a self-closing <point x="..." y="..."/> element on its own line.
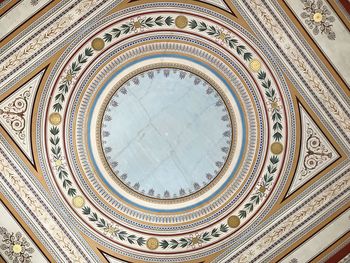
<point x="238" y="167"/>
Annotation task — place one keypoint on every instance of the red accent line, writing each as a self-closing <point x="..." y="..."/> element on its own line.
<point x="346" y="5"/>
<point x="340" y="254"/>
<point x="122" y="224"/>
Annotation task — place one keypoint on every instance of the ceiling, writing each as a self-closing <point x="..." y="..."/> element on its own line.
<point x="161" y="131"/>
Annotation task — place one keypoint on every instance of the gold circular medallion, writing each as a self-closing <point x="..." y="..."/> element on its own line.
<point x="181" y="21"/>
<point x="152" y="243"/>
<point x="255" y="65"/>
<point x="318" y="17"/>
<point x="55" y="118"/>
<point x="98" y="44"/>
<point x="78" y="201"/>
<point x="276" y="148"/>
<point x="233" y="221"/>
<point x="17" y="248"/>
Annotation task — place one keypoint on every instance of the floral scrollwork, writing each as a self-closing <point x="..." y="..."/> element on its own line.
<point x="318" y="17"/>
<point x="316" y="152"/>
<point x="15" y="246"/>
<point x="14" y="114"/>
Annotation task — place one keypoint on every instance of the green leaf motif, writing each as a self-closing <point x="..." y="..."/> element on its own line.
<point x="56" y="152"/>
<point x="247" y="56"/>
<point x="185" y="242"/>
<point x="86" y="210"/>
<point x="107" y="37"/>
<point x="141" y="241"/>
<point x="116" y="32"/>
<point x="75" y="68"/>
<point x="120" y="234"/>
<point x="169" y="21"/>
<point x="193" y="24"/>
<point x="127" y="28"/>
<point x="255" y="199"/>
<point x="261" y="75"/>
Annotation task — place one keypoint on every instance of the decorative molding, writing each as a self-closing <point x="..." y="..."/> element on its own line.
<point x="329" y="235"/>
<point x="318" y="18"/>
<point x="316" y="152"/>
<point x="292" y="223"/>
<point x="16" y="114"/>
<point x="15" y="246"/>
<point x="236" y="215"/>
<point x="21" y="11"/>
<point x="45" y="217"/>
<point x="306" y="72"/>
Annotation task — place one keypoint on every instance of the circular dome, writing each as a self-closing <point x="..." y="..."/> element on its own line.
<point x="166" y="133"/>
<point x="230" y="133"/>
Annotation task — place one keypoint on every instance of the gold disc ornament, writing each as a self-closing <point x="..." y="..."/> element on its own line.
<point x="78" y="201"/>
<point x="98" y="44"/>
<point x="233" y="221"/>
<point x="276" y="148"/>
<point x="255" y="65"/>
<point x="152" y="243"/>
<point x="181" y="21"/>
<point x="55" y="118"/>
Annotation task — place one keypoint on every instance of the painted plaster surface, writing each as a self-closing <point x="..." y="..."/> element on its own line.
<point x="166" y="132"/>
<point x="191" y="131"/>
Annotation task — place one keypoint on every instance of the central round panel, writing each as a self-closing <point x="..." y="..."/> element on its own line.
<point x="166" y="133"/>
<point x="142" y="185"/>
<point x="171" y="107"/>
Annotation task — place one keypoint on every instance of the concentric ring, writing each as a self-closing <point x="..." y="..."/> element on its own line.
<point x="225" y="204"/>
<point x="159" y="130"/>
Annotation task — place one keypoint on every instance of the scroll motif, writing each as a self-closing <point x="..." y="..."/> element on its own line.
<point x="318" y="17"/>
<point x="316" y="153"/>
<point x="14" y="114"/>
<point x="15" y="246"/>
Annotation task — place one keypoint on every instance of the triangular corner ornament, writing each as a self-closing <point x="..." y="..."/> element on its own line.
<point x="218" y="3"/>
<point x="16" y="114"/>
<point x="316" y="152"/>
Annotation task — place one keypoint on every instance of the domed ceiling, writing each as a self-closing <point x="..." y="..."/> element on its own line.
<point x="188" y="131"/>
